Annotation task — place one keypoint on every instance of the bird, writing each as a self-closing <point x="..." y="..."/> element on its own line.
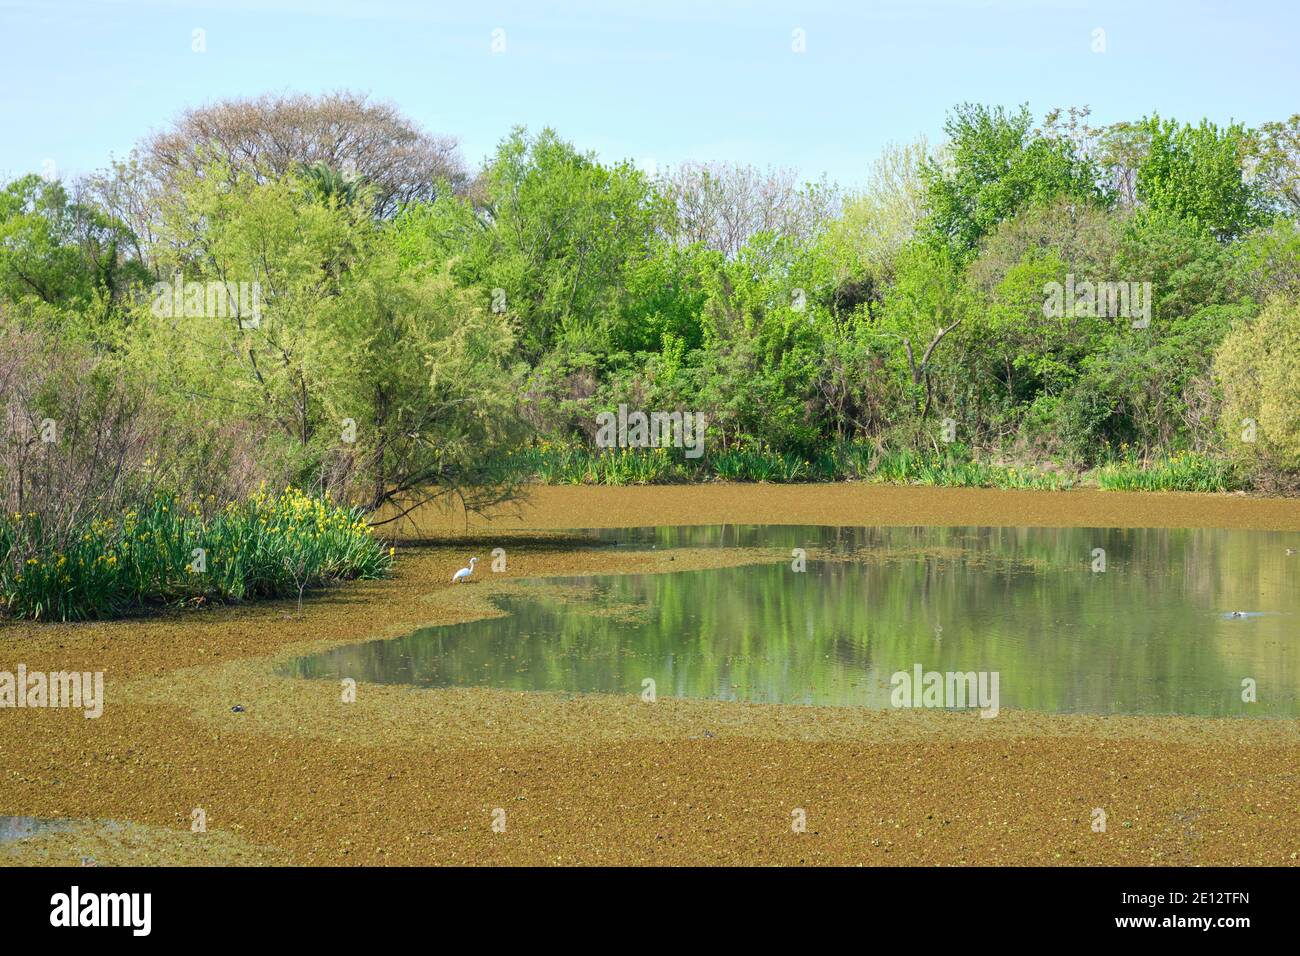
<point x="1290" y="550"/>
<point x="464" y="573"/>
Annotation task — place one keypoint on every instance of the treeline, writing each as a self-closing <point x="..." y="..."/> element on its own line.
<point x="314" y="291"/>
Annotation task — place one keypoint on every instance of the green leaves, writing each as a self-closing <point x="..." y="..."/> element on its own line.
<point x="170" y="554"/>
<point x="996" y="166"/>
<point x="1197" y="173"/>
<point x="60" y="252"/>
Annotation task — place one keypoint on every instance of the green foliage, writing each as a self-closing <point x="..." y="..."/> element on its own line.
<point x="1277" y="163"/>
<point x="263" y="547"/>
<point x="996" y="166"/>
<point x="61" y="252"/>
<point x="1184" y="471"/>
<point x="1267" y="261"/>
<point x="1258" y="367"/>
<point x="413" y="340"/>
<point x="555" y="233"/>
<point x="330" y="186"/>
<point x="1196" y="173"/>
<point x="367" y="366"/>
<point x="569" y="464"/>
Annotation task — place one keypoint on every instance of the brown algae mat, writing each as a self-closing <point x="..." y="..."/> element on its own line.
<point x="475" y="776"/>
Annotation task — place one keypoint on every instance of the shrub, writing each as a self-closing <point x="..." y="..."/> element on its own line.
<point x="1258" y="367"/>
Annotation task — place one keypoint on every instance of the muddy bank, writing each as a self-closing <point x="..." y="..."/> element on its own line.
<point x="411" y="776"/>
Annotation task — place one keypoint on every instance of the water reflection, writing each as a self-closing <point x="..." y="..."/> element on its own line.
<point x="1154" y="633"/>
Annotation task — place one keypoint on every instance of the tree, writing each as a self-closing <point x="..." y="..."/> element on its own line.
<point x="552" y="243"/>
<point x="363" y="371"/>
<point x="426" y="371"/>
<point x="924" y="306"/>
<point x="1267" y="261"/>
<point x="994" y="166"/>
<point x="862" y="243"/>
<point x="60" y="251"/>
<point x="329" y="186"/>
<point x="271" y="136"/>
<point x="1121" y="150"/>
<point x="722" y="205"/>
<point x="1277" y="163"/>
<point x="1258" y="368"/>
<point x="1197" y="173"/>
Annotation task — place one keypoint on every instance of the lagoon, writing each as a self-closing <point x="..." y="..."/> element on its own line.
<point x="1154" y="633"/>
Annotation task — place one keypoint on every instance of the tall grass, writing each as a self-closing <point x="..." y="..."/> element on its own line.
<point x="1182" y="471"/>
<point x="568" y="464"/>
<point x="169" y="554"/>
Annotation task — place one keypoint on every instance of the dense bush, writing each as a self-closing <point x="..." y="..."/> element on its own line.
<point x="1258" y="367"/>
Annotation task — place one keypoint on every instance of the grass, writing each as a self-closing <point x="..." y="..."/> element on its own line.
<point x="169" y="554"/>
<point x="569" y="464"/>
<point x="952" y="467"/>
<point x="1182" y="471"/>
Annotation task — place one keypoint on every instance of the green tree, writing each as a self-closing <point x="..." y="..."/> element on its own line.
<point x="362" y="370"/>
<point x="996" y="165"/>
<point x="1258" y="368"/>
<point x="1197" y="173"/>
<point x="1277" y="163"/>
<point x="551" y="242"/>
<point x="60" y="251"/>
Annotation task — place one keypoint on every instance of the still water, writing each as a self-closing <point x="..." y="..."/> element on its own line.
<point x="1154" y="633"/>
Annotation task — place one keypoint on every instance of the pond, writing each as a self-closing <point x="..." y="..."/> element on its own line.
<point x="1174" y="622"/>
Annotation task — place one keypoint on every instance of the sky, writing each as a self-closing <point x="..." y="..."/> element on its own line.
<point x="819" y="87"/>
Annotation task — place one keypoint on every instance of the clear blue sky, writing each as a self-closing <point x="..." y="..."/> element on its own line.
<point x="653" y="81"/>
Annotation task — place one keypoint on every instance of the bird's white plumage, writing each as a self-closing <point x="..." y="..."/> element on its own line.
<point x="463" y="573"/>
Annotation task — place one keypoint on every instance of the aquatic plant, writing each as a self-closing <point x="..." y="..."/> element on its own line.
<point x="173" y="553"/>
<point x="1181" y="471"/>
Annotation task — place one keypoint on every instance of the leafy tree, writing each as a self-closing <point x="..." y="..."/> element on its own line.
<point x="363" y="372"/>
<point x="1277" y="163"/>
<point x="927" y="302"/>
<point x="1258" y="368"/>
<point x="760" y="349"/>
<point x="1187" y="268"/>
<point x="856" y="251"/>
<point x="1197" y="173"/>
<point x="1267" y="261"/>
<point x="60" y="251"/>
<point x="329" y="186"/>
<point x="995" y="166"/>
<point x="666" y="292"/>
<point x="556" y="235"/>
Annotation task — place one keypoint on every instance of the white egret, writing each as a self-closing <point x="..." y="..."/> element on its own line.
<point x="464" y="573"/>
